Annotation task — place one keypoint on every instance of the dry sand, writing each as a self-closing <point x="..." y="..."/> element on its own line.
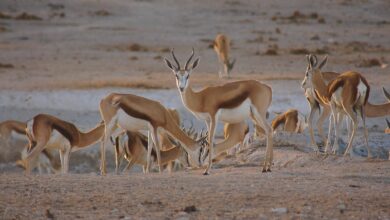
<point x="61" y="57"/>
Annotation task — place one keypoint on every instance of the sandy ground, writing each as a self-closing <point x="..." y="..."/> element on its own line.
<point x="62" y="57"/>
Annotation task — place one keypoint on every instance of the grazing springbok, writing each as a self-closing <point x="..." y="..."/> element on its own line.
<point x="135" y="150"/>
<point x="45" y="161"/>
<point x="12" y="128"/>
<point x="292" y="121"/>
<point x="235" y="135"/>
<point x="47" y="131"/>
<point x="371" y="110"/>
<point x="135" y="113"/>
<point x="346" y="94"/>
<point x="222" y="48"/>
<point x="232" y="102"/>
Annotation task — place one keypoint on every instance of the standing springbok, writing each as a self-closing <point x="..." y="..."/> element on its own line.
<point x="136" y="113"/>
<point x="292" y="121"/>
<point x="371" y="110"/>
<point x="347" y="94"/>
<point x="232" y="102"/>
<point x="222" y="48"/>
<point x="46" y="131"/>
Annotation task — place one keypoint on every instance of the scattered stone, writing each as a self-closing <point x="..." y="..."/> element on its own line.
<point x="281" y="210"/>
<point x="271" y="52"/>
<point x="321" y="20"/>
<point x="49" y="214"/>
<point x="277" y="30"/>
<point x="341" y="207"/>
<point x="189" y="209"/>
<point x="6" y="65"/>
<point x="5" y="16"/>
<point x="137" y="47"/>
<point x="315" y="37"/>
<point x="354" y="186"/>
<point x="299" y="51"/>
<point x="26" y="16"/>
<point x="101" y="13"/>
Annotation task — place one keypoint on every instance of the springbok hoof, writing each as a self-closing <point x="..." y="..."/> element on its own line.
<point x="264" y="170"/>
<point x="269" y="170"/>
<point x="206" y="173"/>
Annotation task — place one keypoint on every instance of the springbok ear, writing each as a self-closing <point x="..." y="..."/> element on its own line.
<point x="170" y="66"/>
<point x="195" y="64"/>
<point x="322" y="64"/>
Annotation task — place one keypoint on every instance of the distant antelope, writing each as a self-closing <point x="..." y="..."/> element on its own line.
<point x="292" y="121"/>
<point x="46" y="131"/>
<point x="387" y="130"/>
<point x="222" y="48"/>
<point x="231" y="102"/>
<point x="312" y="95"/>
<point x="346" y="94"/>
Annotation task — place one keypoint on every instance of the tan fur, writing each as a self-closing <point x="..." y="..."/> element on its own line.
<point x="228" y="96"/>
<point x="289" y="120"/>
<point x="148" y="110"/>
<point x="45" y="160"/>
<point x="222" y="48"/>
<point x="71" y="138"/>
<point x="6" y="128"/>
<point x="135" y="151"/>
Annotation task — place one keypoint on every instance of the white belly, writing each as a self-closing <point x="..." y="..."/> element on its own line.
<point x="130" y="123"/>
<point x="237" y="114"/>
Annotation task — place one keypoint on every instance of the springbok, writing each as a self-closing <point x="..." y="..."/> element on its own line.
<point x="11" y="128"/>
<point x="45" y="161"/>
<point x="46" y="131"/>
<point x="346" y="94"/>
<point x="371" y="110"/>
<point x="222" y="48"/>
<point x="292" y="121"/>
<point x="232" y="102"/>
<point x="136" y="113"/>
<point x="135" y="151"/>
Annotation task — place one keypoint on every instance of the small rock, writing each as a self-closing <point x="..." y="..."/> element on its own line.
<point x="281" y="210"/>
<point x="49" y="214"/>
<point x="190" y="209"/>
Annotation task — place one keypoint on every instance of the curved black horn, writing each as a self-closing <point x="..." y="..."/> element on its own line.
<point x="388" y="123"/>
<point x="386" y="93"/>
<point x="188" y="61"/>
<point x="174" y="57"/>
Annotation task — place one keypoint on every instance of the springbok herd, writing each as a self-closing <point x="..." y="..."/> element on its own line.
<point x="145" y="130"/>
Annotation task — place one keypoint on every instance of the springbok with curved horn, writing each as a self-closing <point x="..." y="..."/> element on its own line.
<point x="347" y="94"/>
<point x="135" y="113"/>
<point x="222" y="48"/>
<point x="46" y="131"/>
<point x="312" y="95"/>
<point x="232" y="102"/>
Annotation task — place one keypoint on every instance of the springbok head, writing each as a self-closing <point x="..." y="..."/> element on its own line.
<point x="312" y="69"/>
<point x="182" y="74"/>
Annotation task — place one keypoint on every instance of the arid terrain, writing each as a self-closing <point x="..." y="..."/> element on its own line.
<point x="62" y="57"/>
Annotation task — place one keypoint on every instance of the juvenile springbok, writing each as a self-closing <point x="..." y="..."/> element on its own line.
<point x="46" y="131"/>
<point x="346" y="94"/>
<point x="222" y="48"/>
<point x="135" y="113"/>
<point x="292" y="121"/>
<point x="371" y="110"/>
<point x="232" y="102"/>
